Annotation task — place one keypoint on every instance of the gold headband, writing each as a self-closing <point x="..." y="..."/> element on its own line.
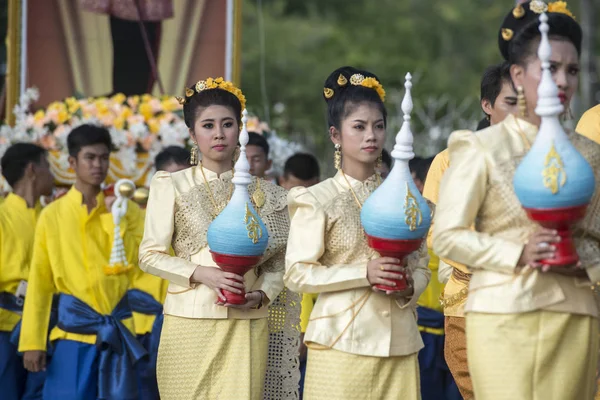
<point x="357" y="80"/>
<point x="216" y="83"/>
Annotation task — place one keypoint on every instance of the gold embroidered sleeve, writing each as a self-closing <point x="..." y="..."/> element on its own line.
<point x="462" y="193"/>
<point x="154" y="256"/>
<point x="306" y="245"/>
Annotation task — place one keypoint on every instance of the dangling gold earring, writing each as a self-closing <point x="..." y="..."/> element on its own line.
<point x="379" y="161"/>
<point x="521" y="102"/>
<point x="337" y="157"/>
<point x="194" y="154"/>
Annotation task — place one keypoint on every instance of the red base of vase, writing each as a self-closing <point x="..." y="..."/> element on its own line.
<point x="396" y="249"/>
<point x="560" y="219"/>
<point x="239" y="265"/>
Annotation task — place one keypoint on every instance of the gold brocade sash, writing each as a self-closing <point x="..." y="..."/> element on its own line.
<point x="456" y="298"/>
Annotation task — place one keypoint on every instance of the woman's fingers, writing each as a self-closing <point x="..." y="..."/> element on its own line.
<point x="236" y="277"/>
<point x="220" y="296"/>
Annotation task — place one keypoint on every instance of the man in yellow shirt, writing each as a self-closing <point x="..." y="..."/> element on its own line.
<point x="94" y="348"/>
<point x="589" y="124"/>
<point x="27" y="171"/>
<point x="149" y="291"/>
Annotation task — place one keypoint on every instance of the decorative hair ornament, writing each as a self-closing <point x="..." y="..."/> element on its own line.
<point x="519" y="12"/>
<point x="216" y="83"/>
<point x="507" y="34"/>
<point x="328" y="93"/>
<point x="538" y="6"/>
<point x="371" y="83"/>
<point x="342" y="81"/>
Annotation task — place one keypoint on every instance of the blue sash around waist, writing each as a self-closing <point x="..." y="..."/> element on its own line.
<point x="118" y="348"/>
<point x="143" y="303"/>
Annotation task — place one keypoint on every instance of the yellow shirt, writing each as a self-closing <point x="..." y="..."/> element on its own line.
<point x="430" y="298"/>
<point x="477" y="190"/>
<point x="71" y="249"/>
<point x="455" y="290"/>
<point x="328" y="253"/>
<point x="589" y="124"/>
<point x="308" y="302"/>
<point x="17" y="228"/>
<point x="179" y="213"/>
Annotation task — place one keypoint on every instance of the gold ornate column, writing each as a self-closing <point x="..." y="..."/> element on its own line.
<point x="13" y="56"/>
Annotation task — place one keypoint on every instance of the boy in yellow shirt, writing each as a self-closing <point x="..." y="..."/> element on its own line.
<point x="94" y="347"/>
<point x="27" y="171"/>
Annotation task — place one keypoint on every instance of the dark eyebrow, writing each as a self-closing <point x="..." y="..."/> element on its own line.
<point x="208" y="120"/>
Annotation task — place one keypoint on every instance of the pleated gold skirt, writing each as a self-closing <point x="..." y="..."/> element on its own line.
<point x="336" y="375"/>
<point x="205" y="359"/>
<point x="539" y="355"/>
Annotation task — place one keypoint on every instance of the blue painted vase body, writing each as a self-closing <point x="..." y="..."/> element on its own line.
<point x="396" y="210"/>
<point x="238" y="230"/>
<point x="553" y="175"/>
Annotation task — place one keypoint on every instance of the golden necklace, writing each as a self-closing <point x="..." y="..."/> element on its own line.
<point x="216" y="208"/>
<point x="258" y="196"/>
<point x="526" y="142"/>
<point x="358" y="202"/>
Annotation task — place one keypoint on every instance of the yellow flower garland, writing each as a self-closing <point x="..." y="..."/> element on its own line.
<point x="560" y="7"/>
<point x="215" y="83"/>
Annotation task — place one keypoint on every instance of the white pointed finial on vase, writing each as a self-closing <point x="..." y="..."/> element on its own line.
<point x="242" y="176"/>
<point x="403" y="150"/>
<point x="548" y="104"/>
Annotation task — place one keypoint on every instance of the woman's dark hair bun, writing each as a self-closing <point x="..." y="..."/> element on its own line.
<point x="339" y="92"/>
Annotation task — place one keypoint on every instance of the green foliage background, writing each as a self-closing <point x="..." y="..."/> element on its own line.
<point x="447" y="43"/>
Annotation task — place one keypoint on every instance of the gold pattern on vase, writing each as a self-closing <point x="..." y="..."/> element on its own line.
<point x="254" y="230"/>
<point x="554" y="173"/>
<point x="414" y="218"/>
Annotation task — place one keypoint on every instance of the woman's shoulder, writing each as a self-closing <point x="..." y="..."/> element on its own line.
<point x="320" y="194"/>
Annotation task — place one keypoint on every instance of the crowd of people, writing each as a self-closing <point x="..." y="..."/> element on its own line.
<point x="480" y="317"/>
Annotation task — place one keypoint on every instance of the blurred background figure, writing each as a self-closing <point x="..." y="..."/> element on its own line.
<point x="257" y="152"/>
<point x="418" y="168"/>
<point x="27" y="171"/>
<point x="301" y="169"/>
<point x="172" y="159"/>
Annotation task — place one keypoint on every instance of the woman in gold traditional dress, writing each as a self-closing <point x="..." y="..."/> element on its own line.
<point x="362" y="344"/>
<point x="531" y="333"/>
<point x="209" y="349"/>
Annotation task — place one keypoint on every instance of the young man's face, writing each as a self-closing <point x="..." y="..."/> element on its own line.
<point x="289" y="181"/>
<point x="91" y="164"/>
<point x="258" y="160"/>
<point x="505" y="104"/>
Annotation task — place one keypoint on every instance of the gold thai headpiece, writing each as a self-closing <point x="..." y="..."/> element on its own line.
<point x="357" y="80"/>
<point x="210" y="83"/>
